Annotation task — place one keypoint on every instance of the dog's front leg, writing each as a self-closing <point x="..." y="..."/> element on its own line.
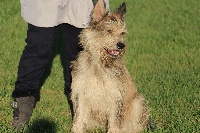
<point x="80" y="120"/>
<point x="114" y="123"/>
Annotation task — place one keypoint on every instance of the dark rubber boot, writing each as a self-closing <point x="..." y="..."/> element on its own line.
<point x="23" y="108"/>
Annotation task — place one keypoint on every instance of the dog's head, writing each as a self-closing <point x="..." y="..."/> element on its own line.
<point x="105" y="37"/>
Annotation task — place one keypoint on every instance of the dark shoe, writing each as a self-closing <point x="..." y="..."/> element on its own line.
<point x="23" y="108"/>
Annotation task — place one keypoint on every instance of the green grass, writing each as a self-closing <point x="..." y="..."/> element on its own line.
<point x="163" y="58"/>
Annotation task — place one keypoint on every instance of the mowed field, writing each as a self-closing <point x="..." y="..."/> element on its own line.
<point x="163" y="58"/>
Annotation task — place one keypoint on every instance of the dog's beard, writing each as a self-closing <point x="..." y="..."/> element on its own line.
<point x="109" y="56"/>
<point x="113" y="53"/>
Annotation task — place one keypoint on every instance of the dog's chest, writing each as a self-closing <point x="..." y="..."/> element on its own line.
<point x="104" y="89"/>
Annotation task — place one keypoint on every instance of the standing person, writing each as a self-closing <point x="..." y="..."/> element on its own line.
<point x="43" y="19"/>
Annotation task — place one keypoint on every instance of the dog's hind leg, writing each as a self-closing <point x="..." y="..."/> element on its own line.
<point x="136" y="116"/>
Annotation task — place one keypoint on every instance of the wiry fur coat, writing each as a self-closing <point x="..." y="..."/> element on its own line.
<point x="103" y="93"/>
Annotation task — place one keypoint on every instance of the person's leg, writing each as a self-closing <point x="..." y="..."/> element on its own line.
<point x="70" y="43"/>
<point x="34" y="60"/>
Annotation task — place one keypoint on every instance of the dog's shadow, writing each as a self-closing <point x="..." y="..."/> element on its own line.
<point x="42" y="126"/>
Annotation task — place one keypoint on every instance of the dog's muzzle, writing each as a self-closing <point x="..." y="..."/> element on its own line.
<point x="118" y="52"/>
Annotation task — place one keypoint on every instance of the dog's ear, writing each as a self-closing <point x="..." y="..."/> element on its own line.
<point x="99" y="11"/>
<point x="121" y="10"/>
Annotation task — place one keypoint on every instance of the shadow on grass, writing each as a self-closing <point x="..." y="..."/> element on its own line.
<point x="42" y="126"/>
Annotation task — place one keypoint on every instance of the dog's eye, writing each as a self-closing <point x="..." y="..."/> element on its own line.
<point x="123" y="33"/>
<point x="110" y="31"/>
<point x="114" y="22"/>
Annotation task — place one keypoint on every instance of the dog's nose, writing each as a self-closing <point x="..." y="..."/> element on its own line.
<point x="120" y="45"/>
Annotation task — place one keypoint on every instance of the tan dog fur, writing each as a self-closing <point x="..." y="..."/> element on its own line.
<point x="103" y="94"/>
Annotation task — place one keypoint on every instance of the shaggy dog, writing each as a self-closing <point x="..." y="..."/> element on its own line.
<point x="103" y="94"/>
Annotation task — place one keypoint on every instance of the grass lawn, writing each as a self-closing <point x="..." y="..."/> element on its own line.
<point x="163" y="58"/>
